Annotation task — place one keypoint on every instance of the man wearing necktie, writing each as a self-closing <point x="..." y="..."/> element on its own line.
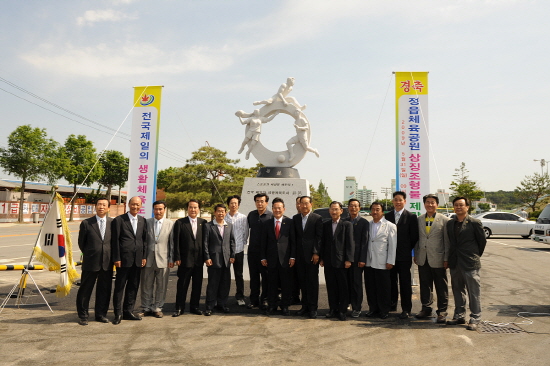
<point x="94" y="241"/>
<point x="129" y="253"/>
<point x="154" y="276"/>
<point x="189" y="257"/>
<point x="407" y="236"/>
<point x="278" y="253"/>
<point x="219" y="253"/>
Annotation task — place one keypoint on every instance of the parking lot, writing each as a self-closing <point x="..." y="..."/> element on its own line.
<point x="514" y="279"/>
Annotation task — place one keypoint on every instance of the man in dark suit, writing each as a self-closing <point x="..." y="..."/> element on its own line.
<point x="278" y="255"/>
<point x="129" y="253"/>
<point x="467" y="244"/>
<point x="355" y="273"/>
<point x="308" y="228"/>
<point x="189" y="257"/>
<point x="336" y="257"/>
<point x="256" y="219"/>
<point x="407" y="236"/>
<point x="219" y="253"/>
<point x="94" y="241"/>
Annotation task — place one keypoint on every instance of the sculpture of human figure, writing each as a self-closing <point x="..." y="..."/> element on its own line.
<point x="282" y="95"/>
<point x="253" y="128"/>
<point x="302" y="126"/>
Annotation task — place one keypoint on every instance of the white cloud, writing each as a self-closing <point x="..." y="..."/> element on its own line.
<point x="95" y="16"/>
<point x="129" y="59"/>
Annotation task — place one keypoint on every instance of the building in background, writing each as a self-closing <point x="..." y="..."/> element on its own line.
<point x="350" y="188"/>
<point x="365" y="196"/>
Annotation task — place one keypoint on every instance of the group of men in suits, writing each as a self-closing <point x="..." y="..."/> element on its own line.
<point x="350" y="250"/>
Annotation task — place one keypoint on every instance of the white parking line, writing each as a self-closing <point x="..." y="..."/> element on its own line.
<point x="518" y="246"/>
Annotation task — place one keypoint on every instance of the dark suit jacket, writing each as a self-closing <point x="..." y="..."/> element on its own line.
<point x="308" y="240"/>
<point x="466" y="250"/>
<point x="338" y="247"/>
<point x="127" y="247"/>
<point x="96" y="251"/>
<point x="407" y="234"/>
<point x="361" y="239"/>
<point x="219" y="249"/>
<point x="188" y="249"/>
<point x="280" y="250"/>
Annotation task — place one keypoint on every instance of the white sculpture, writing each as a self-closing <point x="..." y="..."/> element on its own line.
<point x="297" y="146"/>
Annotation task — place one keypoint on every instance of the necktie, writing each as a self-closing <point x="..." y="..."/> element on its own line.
<point x="277" y="228"/>
<point x="194" y="227"/>
<point x="102" y="228"/>
<point x="157" y="230"/>
<point x="397" y="216"/>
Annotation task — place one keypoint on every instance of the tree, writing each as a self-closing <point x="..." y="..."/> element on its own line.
<point x="81" y="166"/>
<point x="209" y="176"/>
<point x="320" y="196"/>
<point x="532" y="189"/>
<point x="463" y="186"/>
<point x="484" y="206"/>
<point x="115" y="170"/>
<point x="30" y="155"/>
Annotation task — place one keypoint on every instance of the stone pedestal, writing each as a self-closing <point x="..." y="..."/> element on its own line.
<point x="286" y="188"/>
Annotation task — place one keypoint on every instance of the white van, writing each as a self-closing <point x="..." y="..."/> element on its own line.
<point x="542" y="227"/>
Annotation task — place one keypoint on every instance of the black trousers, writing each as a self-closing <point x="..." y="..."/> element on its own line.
<point x="104" y="280"/>
<point x="283" y="277"/>
<point x="258" y="279"/>
<point x="295" y="284"/>
<point x="378" y="286"/>
<point x="401" y="273"/>
<point x="336" y="280"/>
<point x="238" y="272"/>
<point x="429" y="276"/>
<point x="355" y="286"/>
<point x="185" y="276"/>
<point x="219" y="285"/>
<point x="126" y="285"/>
<point x="308" y="276"/>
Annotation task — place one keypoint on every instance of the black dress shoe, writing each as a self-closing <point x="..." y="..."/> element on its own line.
<point x="264" y="305"/>
<point x="285" y="311"/>
<point x="342" y="316"/>
<point x="251" y="305"/>
<point x="83" y="321"/>
<point x="455" y="321"/>
<point x="313" y="314"/>
<point x="404" y="315"/>
<point x="207" y="312"/>
<point x="371" y="314"/>
<point x="101" y="319"/>
<point x="177" y="313"/>
<point x="196" y="311"/>
<point x="131" y="316"/>
<point x="225" y="310"/>
<point x="331" y="314"/>
<point x="117" y="319"/>
<point x="384" y="316"/>
<point x="303" y="311"/>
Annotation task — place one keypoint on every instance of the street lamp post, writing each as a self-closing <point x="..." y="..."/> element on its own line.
<point x="386" y="191"/>
<point x="543" y="162"/>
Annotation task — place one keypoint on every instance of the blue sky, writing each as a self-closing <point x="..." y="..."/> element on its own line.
<point x="488" y="64"/>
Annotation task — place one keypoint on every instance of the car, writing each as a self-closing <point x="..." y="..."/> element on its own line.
<point x="541" y="232"/>
<point x="505" y="223"/>
<point x="325" y="214"/>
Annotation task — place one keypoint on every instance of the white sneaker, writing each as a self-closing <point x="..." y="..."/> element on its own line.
<point x="241" y="302"/>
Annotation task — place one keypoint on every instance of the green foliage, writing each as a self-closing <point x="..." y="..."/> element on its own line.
<point x="115" y="170"/>
<point x="505" y="200"/>
<point x="463" y="186"/>
<point x="79" y="168"/>
<point x="30" y="155"/>
<point x="209" y="176"/>
<point x="532" y="189"/>
<point x="484" y="206"/>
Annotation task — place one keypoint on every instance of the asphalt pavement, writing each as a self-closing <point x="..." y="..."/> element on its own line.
<point x="514" y="279"/>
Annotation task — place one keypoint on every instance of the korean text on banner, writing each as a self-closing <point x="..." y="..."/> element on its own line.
<point x="412" y="158"/>
<point x="54" y="247"/>
<point x="142" y="177"/>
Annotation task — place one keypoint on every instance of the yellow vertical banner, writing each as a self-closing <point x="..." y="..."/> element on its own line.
<point x="142" y="176"/>
<point x="412" y="137"/>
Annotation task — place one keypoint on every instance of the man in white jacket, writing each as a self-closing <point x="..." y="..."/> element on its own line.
<point x="380" y="259"/>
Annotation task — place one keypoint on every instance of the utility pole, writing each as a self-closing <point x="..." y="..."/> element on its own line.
<point x="386" y="191"/>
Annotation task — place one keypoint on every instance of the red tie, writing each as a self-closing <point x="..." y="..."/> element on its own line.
<point x="277" y="228"/>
